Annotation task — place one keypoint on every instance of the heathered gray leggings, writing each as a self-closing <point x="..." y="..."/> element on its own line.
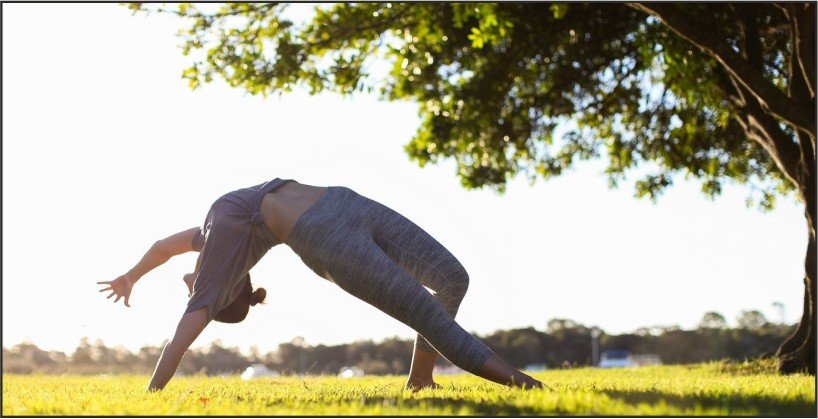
<point x="383" y="258"/>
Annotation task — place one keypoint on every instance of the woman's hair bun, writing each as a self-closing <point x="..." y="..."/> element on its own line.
<point x="258" y="296"/>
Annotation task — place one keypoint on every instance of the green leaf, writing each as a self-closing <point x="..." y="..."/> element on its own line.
<point x="559" y="10"/>
<point x="476" y="38"/>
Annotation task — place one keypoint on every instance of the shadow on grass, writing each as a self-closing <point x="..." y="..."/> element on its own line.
<point x="475" y="408"/>
<point x="730" y="405"/>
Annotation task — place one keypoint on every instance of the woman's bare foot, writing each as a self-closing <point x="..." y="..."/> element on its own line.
<point x="416" y="384"/>
<point x="420" y="373"/>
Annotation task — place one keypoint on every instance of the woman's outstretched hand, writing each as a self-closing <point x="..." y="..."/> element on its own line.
<point x="121" y="287"/>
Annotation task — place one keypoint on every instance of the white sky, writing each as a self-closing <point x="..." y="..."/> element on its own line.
<point x="106" y="150"/>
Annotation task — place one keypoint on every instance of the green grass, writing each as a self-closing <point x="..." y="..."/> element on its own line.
<point x="709" y="389"/>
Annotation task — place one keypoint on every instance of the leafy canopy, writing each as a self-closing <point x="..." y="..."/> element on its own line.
<point x="497" y="84"/>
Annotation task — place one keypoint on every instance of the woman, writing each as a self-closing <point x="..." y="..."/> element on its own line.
<point x="363" y="246"/>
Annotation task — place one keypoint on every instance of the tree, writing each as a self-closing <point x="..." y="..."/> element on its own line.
<point x="718" y="92"/>
<point x="82" y="355"/>
<point x="713" y="320"/>
<point x="557" y="325"/>
<point x="751" y="320"/>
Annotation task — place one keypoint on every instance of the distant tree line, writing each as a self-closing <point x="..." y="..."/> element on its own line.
<point x="564" y="342"/>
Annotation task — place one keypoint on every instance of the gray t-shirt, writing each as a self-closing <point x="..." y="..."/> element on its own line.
<point x="232" y="240"/>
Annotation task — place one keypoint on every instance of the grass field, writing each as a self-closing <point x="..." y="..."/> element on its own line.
<point x="710" y="389"/>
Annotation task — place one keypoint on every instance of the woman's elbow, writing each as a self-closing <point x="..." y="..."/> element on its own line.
<point x="160" y="248"/>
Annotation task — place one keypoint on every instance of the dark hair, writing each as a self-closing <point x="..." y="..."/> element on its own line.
<point x="237" y="310"/>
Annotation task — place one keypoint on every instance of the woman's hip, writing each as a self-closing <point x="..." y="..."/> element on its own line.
<point x="343" y="225"/>
<point x="333" y="219"/>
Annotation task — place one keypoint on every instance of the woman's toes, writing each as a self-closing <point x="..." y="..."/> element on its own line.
<point x="417" y="385"/>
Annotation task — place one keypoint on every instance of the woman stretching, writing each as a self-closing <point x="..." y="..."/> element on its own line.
<point x="361" y="245"/>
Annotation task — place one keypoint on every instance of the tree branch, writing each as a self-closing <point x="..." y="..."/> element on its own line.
<point x="799" y="86"/>
<point x="752" y="46"/>
<point x="378" y="25"/>
<point x="802" y="34"/>
<point x="762" y="128"/>
<point x="769" y="96"/>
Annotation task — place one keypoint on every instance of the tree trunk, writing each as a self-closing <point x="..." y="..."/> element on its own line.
<point x="797" y="338"/>
<point x="797" y="353"/>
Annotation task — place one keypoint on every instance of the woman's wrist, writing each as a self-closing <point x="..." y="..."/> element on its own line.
<point x="154" y="257"/>
<point x="134" y="275"/>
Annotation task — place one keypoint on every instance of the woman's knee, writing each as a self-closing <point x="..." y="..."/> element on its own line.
<point x="457" y="284"/>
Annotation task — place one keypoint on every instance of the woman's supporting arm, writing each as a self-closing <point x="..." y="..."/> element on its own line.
<point x="187" y="331"/>
<point x="163" y="250"/>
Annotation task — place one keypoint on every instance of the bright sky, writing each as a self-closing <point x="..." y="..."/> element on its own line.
<point x="105" y="150"/>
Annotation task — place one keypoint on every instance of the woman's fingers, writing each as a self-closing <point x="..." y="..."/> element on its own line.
<point x="118" y="288"/>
